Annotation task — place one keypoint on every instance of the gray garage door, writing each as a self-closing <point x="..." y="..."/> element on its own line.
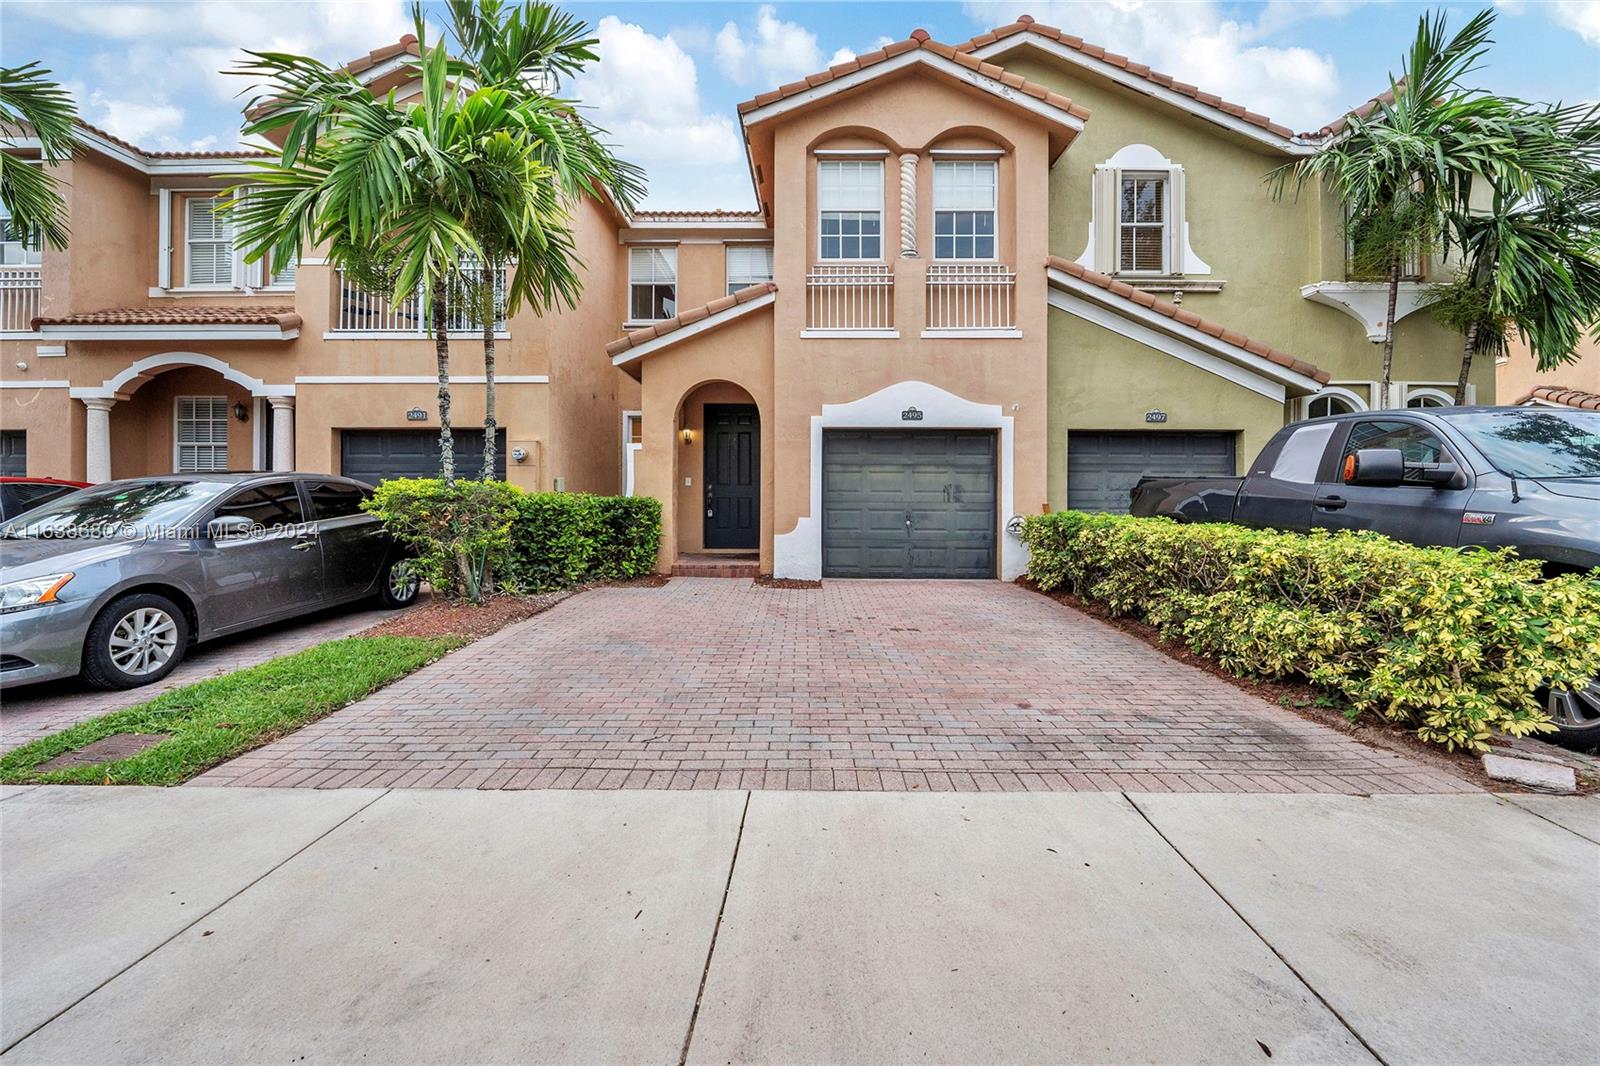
<point x="908" y="504"/>
<point x="13" y="453"/>
<point x="371" y="455"/>
<point x="1103" y="467"/>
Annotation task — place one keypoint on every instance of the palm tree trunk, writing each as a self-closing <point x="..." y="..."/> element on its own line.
<point x="1466" y="363"/>
<point x="441" y="351"/>
<point x="1388" y="333"/>
<point x="491" y="276"/>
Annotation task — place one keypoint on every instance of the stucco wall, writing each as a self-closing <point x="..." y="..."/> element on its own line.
<point x="54" y="425"/>
<point x="142" y="426"/>
<point x="1518" y="375"/>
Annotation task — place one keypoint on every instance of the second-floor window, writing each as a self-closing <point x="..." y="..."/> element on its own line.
<point x="652" y="284"/>
<point x="207" y="245"/>
<point x="748" y="264"/>
<point x="964" y="194"/>
<point x="1142" y="224"/>
<point x="15" y="247"/>
<point x="850" y="209"/>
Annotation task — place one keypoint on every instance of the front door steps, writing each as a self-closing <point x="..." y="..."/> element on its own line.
<point x="721" y="564"/>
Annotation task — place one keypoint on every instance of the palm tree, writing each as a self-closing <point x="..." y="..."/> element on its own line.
<point x="1530" y="262"/>
<point x="29" y="100"/>
<point x="398" y="194"/>
<point x="526" y="50"/>
<point x="1399" y="167"/>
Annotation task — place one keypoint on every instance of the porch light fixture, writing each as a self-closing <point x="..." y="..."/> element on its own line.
<point x="241" y="412"/>
<point x="688" y="436"/>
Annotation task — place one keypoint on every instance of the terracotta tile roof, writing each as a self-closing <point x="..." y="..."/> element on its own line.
<point x="1338" y="124"/>
<point x="407" y="44"/>
<point x="1026" y="24"/>
<point x="1587" y="401"/>
<point x="177" y="316"/>
<point x="238" y="153"/>
<point x="689" y="317"/>
<point x="719" y="213"/>
<point x="1187" y="318"/>
<point x="918" y="39"/>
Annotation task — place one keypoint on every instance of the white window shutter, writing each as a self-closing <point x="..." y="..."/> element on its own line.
<point x="1107" y="182"/>
<point x="1175" y="221"/>
<point x="164" y="240"/>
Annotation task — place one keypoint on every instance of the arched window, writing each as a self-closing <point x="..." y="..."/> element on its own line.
<point x="1333" y="400"/>
<point x="1419" y="398"/>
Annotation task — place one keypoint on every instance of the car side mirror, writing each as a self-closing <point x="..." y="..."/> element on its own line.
<point x="1379" y="467"/>
<point x="225" y="526"/>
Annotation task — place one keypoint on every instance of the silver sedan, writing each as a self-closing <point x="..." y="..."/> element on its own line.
<point x="116" y="582"/>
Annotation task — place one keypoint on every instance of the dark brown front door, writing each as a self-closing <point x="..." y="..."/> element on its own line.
<point x="733" y="476"/>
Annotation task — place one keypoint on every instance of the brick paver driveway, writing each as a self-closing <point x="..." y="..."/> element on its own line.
<point x="38" y="710"/>
<point x="708" y="683"/>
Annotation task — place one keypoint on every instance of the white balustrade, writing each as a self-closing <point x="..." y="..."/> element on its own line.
<point x="19" y="298"/>
<point x="359" y="311"/>
<point x="850" y="298"/>
<point x="971" y="296"/>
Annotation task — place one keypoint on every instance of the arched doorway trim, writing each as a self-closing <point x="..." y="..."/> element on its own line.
<point x="139" y="369"/>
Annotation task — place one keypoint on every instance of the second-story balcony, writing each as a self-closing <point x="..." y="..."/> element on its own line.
<point x="359" y="314"/>
<point x="20" y="289"/>
<point x="972" y="299"/>
<point x="850" y="300"/>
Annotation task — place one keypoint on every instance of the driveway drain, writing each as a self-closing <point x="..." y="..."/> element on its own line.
<point x="106" y="749"/>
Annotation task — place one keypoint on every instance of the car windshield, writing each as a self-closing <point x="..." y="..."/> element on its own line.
<point x="1536" y="442"/>
<point x="139" y="509"/>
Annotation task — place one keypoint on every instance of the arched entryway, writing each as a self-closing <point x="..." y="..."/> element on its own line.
<point x="718" y="434"/>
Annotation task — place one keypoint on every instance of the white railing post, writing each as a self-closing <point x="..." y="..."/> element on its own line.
<point x="20" y="290"/>
<point x="850" y="298"/>
<point x="971" y="296"/>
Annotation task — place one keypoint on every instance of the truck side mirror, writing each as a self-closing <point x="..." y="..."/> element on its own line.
<point x="1379" y="467"/>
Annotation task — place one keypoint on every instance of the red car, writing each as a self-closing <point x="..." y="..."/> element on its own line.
<point x="19" y="495"/>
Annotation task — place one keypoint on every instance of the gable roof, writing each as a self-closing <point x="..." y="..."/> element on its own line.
<point x="1556" y="396"/>
<point x="1140" y="304"/>
<point x="631" y="347"/>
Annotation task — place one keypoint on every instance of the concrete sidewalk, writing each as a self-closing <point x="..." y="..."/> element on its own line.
<point x="271" y="925"/>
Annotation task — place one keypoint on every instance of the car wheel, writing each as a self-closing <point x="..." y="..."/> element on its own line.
<point x="136" y="640"/>
<point x="1576" y="715"/>
<point x="398" y="586"/>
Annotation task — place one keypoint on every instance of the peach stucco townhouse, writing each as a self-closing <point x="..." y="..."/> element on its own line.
<point x="983" y="280"/>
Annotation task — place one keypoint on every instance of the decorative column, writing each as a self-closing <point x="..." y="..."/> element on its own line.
<point x="282" y="432"/>
<point x="97" y="439"/>
<point x="908" y="206"/>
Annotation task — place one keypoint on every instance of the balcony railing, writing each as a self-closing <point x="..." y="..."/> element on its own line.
<point x="359" y="311"/>
<point x="971" y="296"/>
<point x="858" y="298"/>
<point x="19" y="298"/>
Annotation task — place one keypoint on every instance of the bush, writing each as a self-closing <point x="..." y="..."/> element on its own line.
<point x="1451" y="642"/>
<point x="564" y="538"/>
<point x="460" y="534"/>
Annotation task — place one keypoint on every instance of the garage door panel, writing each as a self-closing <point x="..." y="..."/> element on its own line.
<point x="943" y="480"/>
<point x="374" y="455"/>
<point x="1102" y="467"/>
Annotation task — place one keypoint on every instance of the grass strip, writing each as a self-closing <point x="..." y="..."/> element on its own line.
<point x="210" y="722"/>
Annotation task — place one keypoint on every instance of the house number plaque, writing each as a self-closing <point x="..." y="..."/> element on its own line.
<point x="911" y="414"/>
<point x="1155" y="416"/>
<point x="416" y="414"/>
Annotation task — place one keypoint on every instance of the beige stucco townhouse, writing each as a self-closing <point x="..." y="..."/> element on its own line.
<point x="985" y="280"/>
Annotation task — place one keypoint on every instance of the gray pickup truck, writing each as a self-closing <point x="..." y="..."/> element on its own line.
<point x="1521" y="477"/>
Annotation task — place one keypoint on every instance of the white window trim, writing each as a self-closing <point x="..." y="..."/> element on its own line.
<point x="822" y="159"/>
<point x="1352" y="398"/>
<point x="1101" y="248"/>
<point x="1447" y="399"/>
<point x="629" y="322"/>
<point x="630" y="451"/>
<point x="1167" y="223"/>
<point x="188" y="242"/>
<point x="177" y="447"/>
<point x="727" y="263"/>
<point x="994" y="162"/>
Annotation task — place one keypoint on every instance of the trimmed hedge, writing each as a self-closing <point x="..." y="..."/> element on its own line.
<point x="1451" y="642"/>
<point x="469" y="536"/>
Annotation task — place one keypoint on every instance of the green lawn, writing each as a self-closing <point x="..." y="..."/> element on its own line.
<point x="210" y="722"/>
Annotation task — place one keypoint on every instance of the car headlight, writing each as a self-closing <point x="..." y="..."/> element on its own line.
<point x="31" y="592"/>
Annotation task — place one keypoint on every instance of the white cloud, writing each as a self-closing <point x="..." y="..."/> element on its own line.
<point x="844" y="55"/>
<point x="774" y="52"/>
<point x="1201" y="44"/>
<point x="645" y="91"/>
<point x="1580" y="16"/>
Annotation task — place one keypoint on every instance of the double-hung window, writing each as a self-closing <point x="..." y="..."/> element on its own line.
<point x="850" y="209"/>
<point x="202" y="434"/>
<point x="652" y="284"/>
<point x="748" y="264"/>
<point x="16" y="247"/>
<point x="1142" y="220"/>
<point x="964" y="209"/>
<point x="207" y="245"/>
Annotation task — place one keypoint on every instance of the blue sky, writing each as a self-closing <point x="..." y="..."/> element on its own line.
<point x="671" y="73"/>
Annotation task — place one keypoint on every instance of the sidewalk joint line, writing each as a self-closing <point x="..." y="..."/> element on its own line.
<point x="705" y="971"/>
<point x="1309" y="987"/>
<point x="1552" y="821"/>
<point x="200" y="918"/>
